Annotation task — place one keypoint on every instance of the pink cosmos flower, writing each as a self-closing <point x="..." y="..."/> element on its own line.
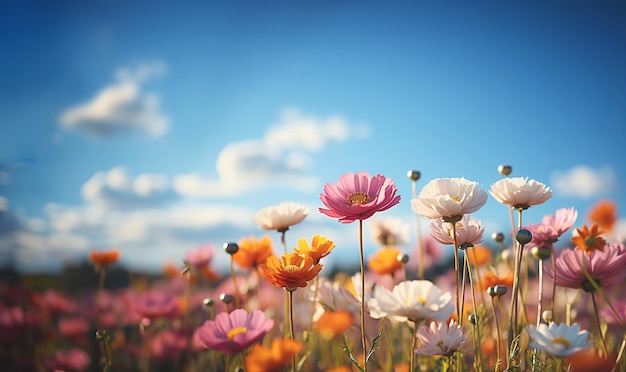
<point x="73" y="328"/>
<point x="468" y="232"/>
<point x="519" y="192"/>
<point x="232" y="333"/>
<point x="606" y="267"/>
<point x="448" y="198"/>
<point x="552" y="226"/>
<point x="440" y="339"/>
<point x="200" y="257"/>
<point x="358" y="196"/>
<point x="168" y="344"/>
<point x="156" y="305"/>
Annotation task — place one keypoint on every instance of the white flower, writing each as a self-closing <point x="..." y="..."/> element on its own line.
<point x="280" y="217"/>
<point x="330" y="294"/>
<point x="519" y="192"/>
<point x="390" y="231"/>
<point x="440" y="339"/>
<point x="468" y="232"/>
<point x="448" y="198"/>
<point x="558" y="340"/>
<point x="412" y="300"/>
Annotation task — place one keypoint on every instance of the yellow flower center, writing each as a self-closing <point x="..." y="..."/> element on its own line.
<point x="292" y="268"/>
<point x="422" y="300"/>
<point x="455" y="198"/>
<point x="562" y="341"/>
<point x="358" y="198"/>
<point x="236" y="331"/>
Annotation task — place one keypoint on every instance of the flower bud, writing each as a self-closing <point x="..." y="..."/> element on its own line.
<point x="226" y="298"/>
<point x="497" y="237"/>
<point x="231" y="248"/>
<point x="505" y="170"/>
<point x="208" y="302"/>
<point x="547" y="316"/>
<point x="541" y="253"/>
<point x="491" y="292"/>
<point x="414" y="175"/>
<point x="500" y="290"/>
<point x="523" y="236"/>
<point x="403" y="258"/>
<point x="472" y="318"/>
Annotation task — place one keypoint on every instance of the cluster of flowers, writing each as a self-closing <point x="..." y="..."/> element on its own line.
<point x="491" y="310"/>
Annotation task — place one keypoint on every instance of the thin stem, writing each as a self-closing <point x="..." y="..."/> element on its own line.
<point x="363" y="338"/>
<point x="477" y="341"/>
<point x="317" y="284"/>
<point x="459" y="309"/>
<point x="598" y="325"/>
<point x="620" y="354"/>
<point x="516" y="284"/>
<point x="283" y="242"/>
<point x="420" y="244"/>
<point x="232" y="274"/>
<point x="540" y="293"/>
<point x="499" y="340"/>
<point x="552" y="298"/>
<point x="291" y="327"/>
<point x="413" y="344"/>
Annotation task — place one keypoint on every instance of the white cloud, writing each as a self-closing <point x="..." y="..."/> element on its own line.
<point x="280" y="159"/>
<point x="116" y="189"/>
<point x="584" y="182"/>
<point x="121" y="107"/>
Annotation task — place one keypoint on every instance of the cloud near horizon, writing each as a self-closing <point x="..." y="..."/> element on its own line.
<point x="121" y="107"/>
<point x="584" y="182"/>
<point x="281" y="158"/>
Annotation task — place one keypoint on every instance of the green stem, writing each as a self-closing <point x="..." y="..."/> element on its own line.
<point x="232" y="274"/>
<point x="292" y="333"/>
<point x="412" y="356"/>
<point x="362" y="259"/>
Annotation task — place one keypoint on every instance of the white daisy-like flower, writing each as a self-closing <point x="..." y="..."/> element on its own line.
<point x="520" y="192"/>
<point x="280" y="217"/>
<point x="330" y="294"/>
<point x="390" y="231"/>
<point x="469" y="232"/>
<point x="441" y="339"/>
<point x="558" y="340"/>
<point x="412" y="300"/>
<point x="449" y="198"/>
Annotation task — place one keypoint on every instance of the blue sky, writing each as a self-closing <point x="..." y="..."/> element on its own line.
<point x="159" y="128"/>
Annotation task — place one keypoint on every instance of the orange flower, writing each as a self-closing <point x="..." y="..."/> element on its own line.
<point x="103" y="259"/>
<point x="291" y="271"/>
<point x="320" y="247"/>
<point x="591" y="361"/>
<point x="253" y="252"/>
<point x="478" y="255"/>
<point x="385" y="261"/>
<point x="604" y="214"/>
<point x="334" y="323"/>
<point x="492" y="279"/>
<point x="589" y="240"/>
<point x="340" y="369"/>
<point x="171" y="271"/>
<point x="261" y="359"/>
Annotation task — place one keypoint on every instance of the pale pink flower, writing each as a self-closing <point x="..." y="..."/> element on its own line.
<point x="412" y="300"/>
<point x="552" y="226"/>
<point x="358" y="196"/>
<point x="232" y="333"/>
<point x="519" y="192"/>
<point x="448" y="198"/>
<point x="200" y="257"/>
<point x="469" y="231"/>
<point x="440" y="339"/>
<point x="606" y="267"/>
<point x="390" y="231"/>
<point x="280" y="217"/>
<point x="558" y="340"/>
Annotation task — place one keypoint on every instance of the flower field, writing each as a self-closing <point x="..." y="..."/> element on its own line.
<point x="532" y="306"/>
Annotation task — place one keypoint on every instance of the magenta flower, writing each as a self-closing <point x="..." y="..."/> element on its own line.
<point x="156" y="305"/>
<point x="606" y="267"/>
<point x="232" y="333"/>
<point x="71" y="360"/>
<point x="358" y="196"/>
<point x="201" y="257"/>
<point x="552" y="226"/>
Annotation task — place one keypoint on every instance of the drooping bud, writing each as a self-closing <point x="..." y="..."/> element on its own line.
<point x="403" y="258"/>
<point x="226" y="298"/>
<point x="414" y="175"/>
<point x="505" y="169"/>
<point x="497" y="237"/>
<point x="231" y="248"/>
